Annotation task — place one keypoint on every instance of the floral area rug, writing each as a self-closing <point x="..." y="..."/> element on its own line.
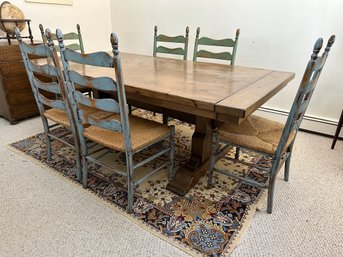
<point x="205" y="222"/>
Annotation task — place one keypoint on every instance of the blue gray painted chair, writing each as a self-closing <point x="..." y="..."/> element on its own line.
<point x="50" y="96"/>
<point x="121" y="132"/>
<point x="227" y="43"/>
<point x="270" y="138"/>
<point x="75" y="39"/>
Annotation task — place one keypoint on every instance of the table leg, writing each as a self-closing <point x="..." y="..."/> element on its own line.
<point x="187" y="176"/>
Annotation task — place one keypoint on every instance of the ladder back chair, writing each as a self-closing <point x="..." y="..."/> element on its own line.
<point x="119" y="132"/>
<point x="181" y="51"/>
<point x="183" y="40"/>
<point x="75" y="39"/>
<point x="269" y="138"/>
<point x="226" y="43"/>
<point x="49" y="94"/>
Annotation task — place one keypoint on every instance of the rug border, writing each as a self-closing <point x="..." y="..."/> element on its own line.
<point x="185" y="248"/>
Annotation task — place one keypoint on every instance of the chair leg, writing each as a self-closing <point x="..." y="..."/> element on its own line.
<point x="84" y="171"/>
<point x="171" y="153"/>
<point x="47" y="138"/>
<point x="271" y="191"/>
<point x="288" y="162"/>
<point x="130" y="183"/>
<point x="78" y="161"/>
<point x="48" y="147"/>
<point x="212" y="158"/>
<point x="130" y="109"/>
<point x="237" y="154"/>
<point x="338" y="130"/>
<point x="165" y="119"/>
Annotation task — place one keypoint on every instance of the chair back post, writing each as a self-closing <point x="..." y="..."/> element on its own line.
<point x="234" y="50"/>
<point x="121" y="94"/>
<point x="304" y="94"/>
<point x="69" y="91"/>
<point x="186" y="43"/>
<point x="195" y="53"/>
<point x="42" y="33"/>
<point x="155" y="41"/>
<point x="82" y="49"/>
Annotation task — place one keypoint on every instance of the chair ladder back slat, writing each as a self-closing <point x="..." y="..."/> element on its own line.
<point x="167" y="50"/>
<point x="176" y="39"/>
<point x="51" y="87"/>
<point x="105" y="84"/>
<point x="228" y="42"/>
<point x="101" y="59"/>
<point x="45" y="69"/>
<point x="41" y="50"/>
<point x="221" y="56"/>
<point x="108" y="105"/>
<point x="58" y="104"/>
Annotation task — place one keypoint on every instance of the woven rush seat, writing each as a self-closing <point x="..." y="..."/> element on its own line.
<point x="143" y="133"/>
<point x="61" y="117"/>
<point x="256" y="133"/>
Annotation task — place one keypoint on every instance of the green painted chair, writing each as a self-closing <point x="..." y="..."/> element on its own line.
<point x="268" y="138"/>
<point x="228" y="43"/>
<point x="181" y="51"/>
<point x="74" y="37"/>
<point x="182" y="40"/>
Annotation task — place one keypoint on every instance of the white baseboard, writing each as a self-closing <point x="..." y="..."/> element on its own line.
<point x="311" y="123"/>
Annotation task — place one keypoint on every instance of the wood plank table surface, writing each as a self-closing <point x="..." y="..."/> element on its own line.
<point x="197" y="92"/>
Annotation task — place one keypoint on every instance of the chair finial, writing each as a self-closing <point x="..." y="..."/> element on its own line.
<point x="78" y="28"/>
<point x="330" y="43"/>
<point x="316" y="49"/>
<point x="48" y="35"/>
<point x="114" y="42"/>
<point x="187" y="31"/>
<point x="17" y="33"/>
<point x="198" y="32"/>
<point x="59" y="36"/>
<point x="238" y="32"/>
<point x="155" y="30"/>
<point x="41" y="29"/>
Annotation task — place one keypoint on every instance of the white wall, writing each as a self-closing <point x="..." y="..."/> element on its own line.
<point x="275" y="34"/>
<point x="93" y="17"/>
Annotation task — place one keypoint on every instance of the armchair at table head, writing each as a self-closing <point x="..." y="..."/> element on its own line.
<point x="227" y="43"/>
<point x="183" y="40"/>
<point x="46" y="81"/>
<point x="112" y="128"/>
<point x="266" y="137"/>
<point x="75" y="39"/>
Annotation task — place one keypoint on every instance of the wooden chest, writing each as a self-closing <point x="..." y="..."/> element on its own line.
<point x="16" y="98"/>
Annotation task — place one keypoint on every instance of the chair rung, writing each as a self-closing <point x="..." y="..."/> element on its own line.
<point x="246" y="163"/>
<point x="119" y="172"/>
<point x="151" y="158"/>
<point x="151" y="173"/>
<point x="246" y="180"/>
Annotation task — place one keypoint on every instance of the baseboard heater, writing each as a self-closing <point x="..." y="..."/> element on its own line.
<point x="310" y="123"/>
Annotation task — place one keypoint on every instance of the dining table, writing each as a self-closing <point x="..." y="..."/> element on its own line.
<point x="201" y="93"/>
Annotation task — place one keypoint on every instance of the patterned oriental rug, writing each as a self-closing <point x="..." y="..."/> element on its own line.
<point x="205" y="222"/>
